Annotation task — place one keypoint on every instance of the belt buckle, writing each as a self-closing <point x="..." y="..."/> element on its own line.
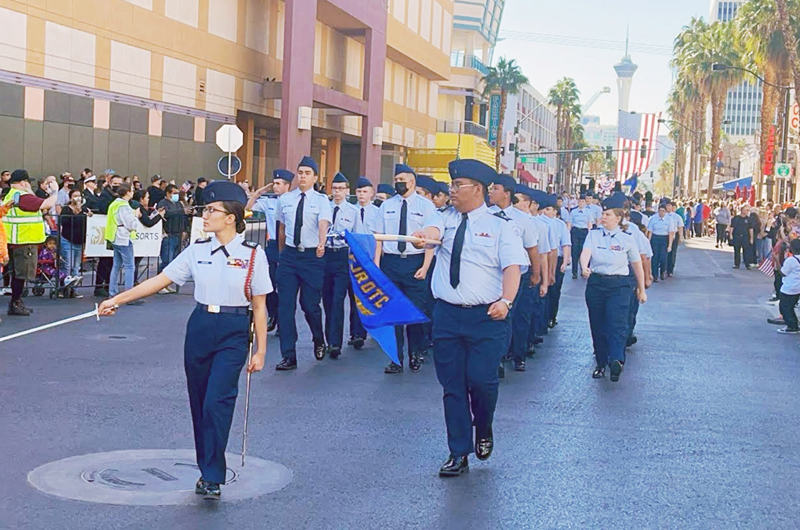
<point x="403" y="255"/>
<point x="301" y="248"/>
<point x="214" y="309"/>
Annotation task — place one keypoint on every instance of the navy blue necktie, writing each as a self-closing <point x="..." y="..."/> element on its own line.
<point x="335" y="211"/>
<point x="298" y="220"/>
<point x="458" y="246"/>
<point x="401" y="246"/>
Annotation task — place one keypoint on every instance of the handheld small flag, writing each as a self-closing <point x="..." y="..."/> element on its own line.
<point x="768" y="267"/>
<point x="380" y="303"/>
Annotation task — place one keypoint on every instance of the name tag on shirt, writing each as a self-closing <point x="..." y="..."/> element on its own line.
<point x="204" y="263"/>
<point x="238" y="263"/>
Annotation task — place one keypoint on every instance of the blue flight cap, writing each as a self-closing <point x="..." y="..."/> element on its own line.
<point x="617" y="200"/>
<point x="224" y="190"/>
<point x="524" y="190"/>
<point x="427" y="183"/>
<point x="467" y="168"/>
<point x="507" y="181"/>
<point x="539" y="197"/>
<point x="444" y="187"/>
<point x="283" y="174"/>
<point x="307" y="161"/>
<point x="402" y="168"/>
<point x="340" y="178"/>
<point x="636" y="217"/>
<point x="387" y="189"/>
<point x="363" y="182"/>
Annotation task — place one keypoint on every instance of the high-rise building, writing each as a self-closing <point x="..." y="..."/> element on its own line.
<point x="141" y="86"/>
<point x="743" y="103"/>
<point x="625" y="70"/>
<point x="597" y="134"/>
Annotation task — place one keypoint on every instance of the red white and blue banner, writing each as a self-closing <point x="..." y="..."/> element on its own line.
<point x="635" y="131"/>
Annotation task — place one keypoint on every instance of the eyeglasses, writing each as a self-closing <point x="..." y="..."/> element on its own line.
<point x="454" y="186"/>
<point x="339" y="188"/>
<point x="207" y="211"/>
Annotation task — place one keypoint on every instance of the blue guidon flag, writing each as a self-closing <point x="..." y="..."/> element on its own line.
<point x="380" y="304"/>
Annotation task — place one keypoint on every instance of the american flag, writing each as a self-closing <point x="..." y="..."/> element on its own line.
<point x="633" y="128"/>
<point x="767" y="267"/>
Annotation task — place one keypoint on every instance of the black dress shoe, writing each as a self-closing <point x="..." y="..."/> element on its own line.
<point x="735" y="266"/>
<point x="531" y="350"/>
<point x="663" y="277"/>
<point x="358" y="343"/>
<point x="501" y="371"/>
<point x="599" y="373"/>
<point x="200" y="487"/>
<point x="213" y="491"/>
<point x="551" y="324"/>
<point x="655" y="280"/>
<point x="538" y="340"/>
<point x="484" y="446"/>
<point x="286" y="364"/>
<point x="393" y="368"/>
<point x="519" y="366"/>
<point x="414" y="362"/>
<point x="455" y="466"/>
<point x="631" y="341"/>
<point x="776" y="321"/>
<point x="319" y="351"/>
<point x="335" y="352"/>
<point x="272" y="323"/>
<point x="616" y="369"/>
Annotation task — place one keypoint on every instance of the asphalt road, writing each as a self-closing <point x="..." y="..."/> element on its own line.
<point x="700" y="432"/>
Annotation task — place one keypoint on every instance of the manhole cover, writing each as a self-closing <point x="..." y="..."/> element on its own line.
<point x="152" y="478"/>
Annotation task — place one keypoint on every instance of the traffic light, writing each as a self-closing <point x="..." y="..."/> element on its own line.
<point x="643" y="151"/>
<point x="608" y="153"/>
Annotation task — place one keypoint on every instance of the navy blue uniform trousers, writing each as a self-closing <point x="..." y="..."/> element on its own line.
<point x="634" y="309"/>
<point x="467" y="347"/>
<point x="272" y="260"/>
<point x="608" y="299"/>
<point x="303" y="272"/>
<point x="659" y="244"/>
<point x="554" y="294"/>
<point x="401" y="272"/>
<point x="578" y="239"/>
<point x="520" y="327"/>
<point x="357" y="329"/>
<point x="214" y="353"/>
<point x="334" y="291"/>
<point x="672" y="256"/>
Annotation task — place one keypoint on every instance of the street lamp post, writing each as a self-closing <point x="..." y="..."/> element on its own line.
<point x="717" y="67"/>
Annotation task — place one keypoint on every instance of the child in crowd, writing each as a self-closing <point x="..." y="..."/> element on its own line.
<point x="47" y="259"/>
<point x="790" y="288"/>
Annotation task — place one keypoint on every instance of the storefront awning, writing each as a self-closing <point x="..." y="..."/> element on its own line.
<point x="744" y="182"/>
<point x="525" y="176"/>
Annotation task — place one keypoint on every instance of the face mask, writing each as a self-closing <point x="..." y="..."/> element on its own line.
<point x="377" y="202"/>
<point x="401" y="188"/>
<point x="115" y="190"/>
<point x="174" y="198"/>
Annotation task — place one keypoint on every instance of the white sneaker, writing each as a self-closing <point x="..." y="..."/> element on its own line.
<point x="788" y="331"/>
<point x="166" y="290"/>
<point x="6" y="291"/>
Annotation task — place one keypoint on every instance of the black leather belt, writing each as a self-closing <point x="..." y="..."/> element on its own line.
<point x="231" y="310"/>
<point x="336" y="249"/>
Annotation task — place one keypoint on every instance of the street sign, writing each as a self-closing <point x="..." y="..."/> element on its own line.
<point x="783" y="170"/>
<point x="229" y="168"/>
<point x="533" y="159"/>
<point x="230" y="138"/>
<point x="495" y="102"/>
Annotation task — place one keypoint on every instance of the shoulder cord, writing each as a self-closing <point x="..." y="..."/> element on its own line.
<point x="248" y="287"/>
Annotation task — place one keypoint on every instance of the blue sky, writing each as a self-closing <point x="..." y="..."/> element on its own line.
<point x="651" y="22"/>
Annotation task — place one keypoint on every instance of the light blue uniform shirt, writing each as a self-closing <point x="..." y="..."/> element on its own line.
<point x="660" y="226"/>
<point x="642" y="243"/>
<point x="366" y="222"/>
<point x="612" y="252"/>
<point x="676" y="220"/>
<point x="565" y="214"/>
<point x="544" y="234"/>
<point x="564" y="238"/>
<point x="219" y="278"/>
<point x="582" y="217"/>
<point x="552" y="231"/>
<point x="597" y="212"/>
<point x="269" y="207"/>
<point x="345" y="220"/>
<point x="528" y="232"/>
<point x="316" y="208"/>
<point x="421" y="214"/>
<point x="491" y="244"/>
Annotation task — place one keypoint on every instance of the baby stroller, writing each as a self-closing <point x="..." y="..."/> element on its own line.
<point x="48" y="276"/>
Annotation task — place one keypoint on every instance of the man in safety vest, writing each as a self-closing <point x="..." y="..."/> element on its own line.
<point x="25" y="231"/>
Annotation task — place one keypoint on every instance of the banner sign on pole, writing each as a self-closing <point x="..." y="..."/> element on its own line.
<point x="146" y="245"/>
<point x="495" y="102"/>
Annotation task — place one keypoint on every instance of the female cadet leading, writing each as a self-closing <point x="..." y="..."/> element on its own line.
<point x="606" y="259"/>
<point x="229" y="274"/>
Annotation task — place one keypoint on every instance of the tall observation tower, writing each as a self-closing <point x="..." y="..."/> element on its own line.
<point x="625" y="70"/>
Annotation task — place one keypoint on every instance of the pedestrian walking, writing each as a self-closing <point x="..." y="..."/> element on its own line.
<point x="607" y="257"/>
<point x="790" y="288"/>
<point x="231" y="282"/>
<point x="661" y="232"/>
<point x="581" y="220"/>
<point x="743" y="237"/>
<point x="475" y="280"/>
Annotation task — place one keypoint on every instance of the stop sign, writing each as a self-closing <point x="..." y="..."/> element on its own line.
<point x="230" y="138"/>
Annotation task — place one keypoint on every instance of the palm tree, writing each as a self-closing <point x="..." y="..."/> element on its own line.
<point x="507" y="78"/>
<point x="714" y="45"/>
<point x="565" y="96"/>
<point x="677" y="108"/>
<point x="762" y="40"/>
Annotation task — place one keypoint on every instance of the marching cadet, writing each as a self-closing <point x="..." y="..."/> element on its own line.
<point x="581" y="220"/>
<point x="303" y="219"/>
<point x="427" y="187"/>
<point x="366" y="221"/>
<point x="607" y="257"/>
<point x="563" y="211"/>
<point x="442" y="196"/>
<point x="281" y="183"/>
<point x="539" y="201"/>
<point x="677" y="227"/>
<point x="661" y="232"/>
<point x="405" y="265"/>
<point x="633" y="225"/>
<point x="384" y="192"/>
<point x="500" y="196"/>
<point x="337" y="264"/>
<point x="230" y="274"/>
<point x="564" y="255"/>
<point x="477" y="276"/>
